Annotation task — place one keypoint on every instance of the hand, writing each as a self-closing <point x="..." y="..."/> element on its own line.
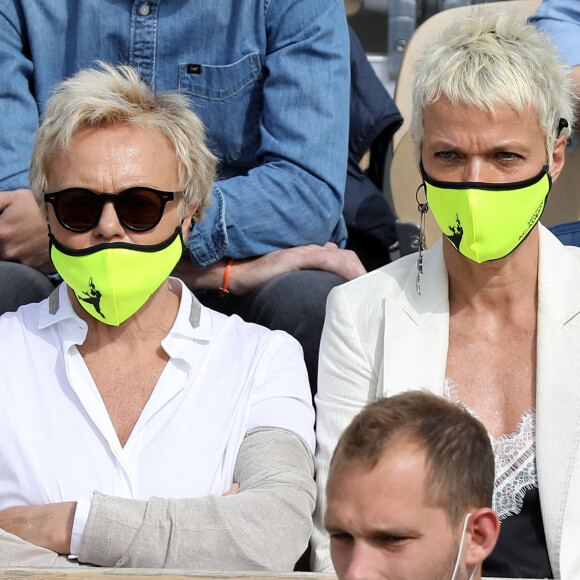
<point x="249" y="273"/>
<point x="233" y="490"/>
<point x="23" y="231"/>
<point x="48" y="526"/>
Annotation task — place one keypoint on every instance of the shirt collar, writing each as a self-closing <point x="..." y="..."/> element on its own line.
<point x="193" y="321"/>
<point x="57" y="310"/>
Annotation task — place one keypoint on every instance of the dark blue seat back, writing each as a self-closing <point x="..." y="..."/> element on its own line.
<point x="568" y="233"/>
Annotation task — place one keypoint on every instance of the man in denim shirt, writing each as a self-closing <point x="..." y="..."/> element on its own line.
<point x="269" y="78"/>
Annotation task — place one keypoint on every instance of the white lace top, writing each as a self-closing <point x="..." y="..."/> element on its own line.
<point x="515" y="459"/>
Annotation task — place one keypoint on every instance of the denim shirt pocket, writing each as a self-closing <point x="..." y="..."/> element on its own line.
<point x="229" y="101"/>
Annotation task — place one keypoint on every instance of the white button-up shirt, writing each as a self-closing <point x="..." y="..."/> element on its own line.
<point x="57" y="442"/>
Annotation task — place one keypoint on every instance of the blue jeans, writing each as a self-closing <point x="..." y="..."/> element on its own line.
<point x="20" y="285"/>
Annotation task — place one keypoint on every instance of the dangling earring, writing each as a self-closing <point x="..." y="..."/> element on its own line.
<point x="191" y="225"/>
<point x="423" y="209"/>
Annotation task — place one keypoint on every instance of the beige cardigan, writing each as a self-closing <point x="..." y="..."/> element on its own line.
<point x="265" y="526"/>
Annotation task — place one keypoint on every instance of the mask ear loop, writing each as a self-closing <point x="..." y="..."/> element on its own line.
<point x="460" y="550"/>
<point x="562" y="124"/>
<point x="473" y="573"/>
<point x="423" y="209"/>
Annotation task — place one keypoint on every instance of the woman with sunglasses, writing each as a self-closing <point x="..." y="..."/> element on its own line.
<point x="120" y="390"/>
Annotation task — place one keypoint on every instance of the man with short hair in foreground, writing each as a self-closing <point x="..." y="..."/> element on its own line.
<point x="409" y="492"/>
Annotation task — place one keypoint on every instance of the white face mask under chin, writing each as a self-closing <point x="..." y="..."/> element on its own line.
<point x="460" y="551"/>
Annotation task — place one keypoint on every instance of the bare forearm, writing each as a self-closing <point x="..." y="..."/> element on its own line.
<point x="210" y="277"/>
<point x="247" y="274"/>
<point x="36" y="535"/>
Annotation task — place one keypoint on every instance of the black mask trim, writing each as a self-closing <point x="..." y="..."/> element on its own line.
<point x="482" y="184"/>
<point x="141" y="248"/>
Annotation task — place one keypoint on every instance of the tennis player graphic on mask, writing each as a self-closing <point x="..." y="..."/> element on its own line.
<point x="93" y="296"/>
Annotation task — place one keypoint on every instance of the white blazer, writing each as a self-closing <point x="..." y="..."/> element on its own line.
<point x="381" y="338"/>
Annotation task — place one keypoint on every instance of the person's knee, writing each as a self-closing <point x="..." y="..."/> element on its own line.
<point x="21" y="285"/>
<point x="296" y="301"/>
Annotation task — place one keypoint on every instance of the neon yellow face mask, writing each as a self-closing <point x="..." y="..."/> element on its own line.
<point x="112" y="281"/>
<point x="487" y="221"/>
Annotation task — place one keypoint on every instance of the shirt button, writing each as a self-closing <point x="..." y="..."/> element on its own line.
<point x="144" y="9"/>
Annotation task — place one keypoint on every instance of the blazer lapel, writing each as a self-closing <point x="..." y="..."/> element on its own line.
<point x="557" y="386"/>
<point x="424" y="322"/>
<point x="421" y="322"/>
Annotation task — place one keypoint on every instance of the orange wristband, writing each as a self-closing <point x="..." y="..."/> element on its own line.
<point x="224" y="288"/>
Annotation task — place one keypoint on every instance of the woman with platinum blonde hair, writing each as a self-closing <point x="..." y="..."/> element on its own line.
<point x="121" y="391"/>
<point x="487" y="317"/>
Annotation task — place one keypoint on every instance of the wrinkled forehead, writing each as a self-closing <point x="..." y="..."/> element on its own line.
<point x="460" y="122"/>
<point x="390" y="497"/>
<point x="493" y="109"/>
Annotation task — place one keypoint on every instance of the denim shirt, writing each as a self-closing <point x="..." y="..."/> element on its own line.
<point x="269" y="78"/>
<point x="560" y="19"/>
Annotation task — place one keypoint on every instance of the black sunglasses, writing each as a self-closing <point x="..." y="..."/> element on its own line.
<point x="138" y="208"/>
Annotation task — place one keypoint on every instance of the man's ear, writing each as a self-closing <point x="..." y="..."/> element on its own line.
<point x="558" y="157"/>
<point x="187" y="221"/>
<point x="483" y="530"/>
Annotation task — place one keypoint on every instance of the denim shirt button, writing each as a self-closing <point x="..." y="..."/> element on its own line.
<point x="144" y="9"/>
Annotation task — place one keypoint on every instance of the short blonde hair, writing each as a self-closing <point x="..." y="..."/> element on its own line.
<point x="495" y="58"/>
<point x="111" y="95"/>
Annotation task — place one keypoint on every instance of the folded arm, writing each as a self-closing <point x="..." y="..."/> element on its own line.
<point x="23" y="231"/>
<point x="14" y="551"/>
<point x="246" y="275"/>
<point x="265" y="526"/>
